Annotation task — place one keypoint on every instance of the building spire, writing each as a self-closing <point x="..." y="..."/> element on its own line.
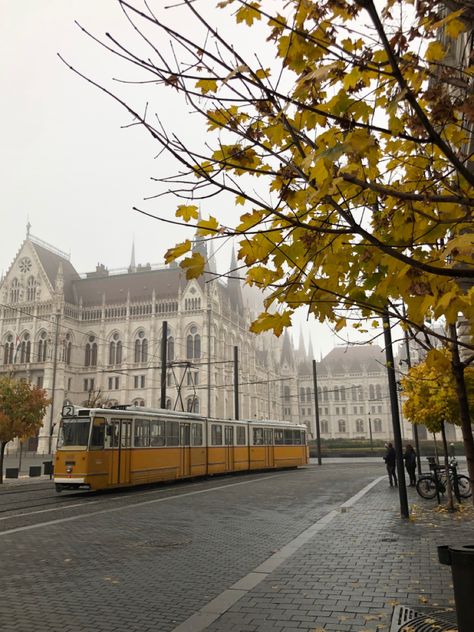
<point x="28" y="227"/>
<point x="233" y="285"/>
<point x="132" y="267"/>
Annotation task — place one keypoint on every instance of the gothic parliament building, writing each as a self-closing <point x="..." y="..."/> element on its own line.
<point x="95" y="339"/>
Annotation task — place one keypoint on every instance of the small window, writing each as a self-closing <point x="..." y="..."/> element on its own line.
<point x="157" y="433"/>
<point x="142" y="433"/>
<point x="196" y="434"/>
<point x="258" y="436"/>
<point x="216" y="434"/>
<point x="98" y="433"/>
<point x="172" y="433"/>
<point x="240" y="439"/>
<point x="229" y="435"/>
<point x="279" y="437"/>
<point x="268" y="436"/>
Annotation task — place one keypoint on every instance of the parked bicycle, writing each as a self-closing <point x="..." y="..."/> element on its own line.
<point x="428" y="485"/>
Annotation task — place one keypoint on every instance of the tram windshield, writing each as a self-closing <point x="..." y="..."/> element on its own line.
<point x="74" y="432"/>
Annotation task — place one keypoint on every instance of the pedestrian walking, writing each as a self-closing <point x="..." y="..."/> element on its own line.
<point x="410" y="463"/>
<point x="390" y="461"/>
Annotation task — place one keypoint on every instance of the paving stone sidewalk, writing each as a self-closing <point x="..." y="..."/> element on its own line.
<point x="351" y="574"/>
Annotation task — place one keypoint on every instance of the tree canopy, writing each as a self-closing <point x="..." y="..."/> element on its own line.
<point x="22" y="408"/>
<point x="350" y="153"/>
<point x="430" y="392"/>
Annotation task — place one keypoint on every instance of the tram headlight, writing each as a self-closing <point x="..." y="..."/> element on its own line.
<point x="69" y="469"/>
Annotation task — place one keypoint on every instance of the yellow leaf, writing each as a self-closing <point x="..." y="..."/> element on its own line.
<point x="240" y="200"/>
<point x="193" y="265"/>
<point x="276" y="322"/>
<point x="435" y="51"/>
<point x="177" y="251"/>
<point x="249" y="13"/>
<point x="454" y="28"/>
<point x="250" y="220"/>
<point x="187" y="212"/>
<point x="207" y="227"/>
<point x="207" y="85"/>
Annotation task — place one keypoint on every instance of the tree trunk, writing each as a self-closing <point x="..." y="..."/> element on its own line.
<point x="449" y="487"/>
<point x="3" y="445"/>
<point x="466" y="427"/>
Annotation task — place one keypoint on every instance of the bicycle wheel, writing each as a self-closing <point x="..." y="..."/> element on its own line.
<point x="464" y="485"/>
<point x="426" y="487"/>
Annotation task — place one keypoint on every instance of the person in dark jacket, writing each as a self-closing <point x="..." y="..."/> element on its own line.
<point x="410" y="463"/>
<point x="390" y="462"/>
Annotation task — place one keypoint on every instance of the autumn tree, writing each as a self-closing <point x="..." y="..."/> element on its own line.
<point x="22" y="408"/>
<point x="431" y="398"/>
<point x="344" y="137"/>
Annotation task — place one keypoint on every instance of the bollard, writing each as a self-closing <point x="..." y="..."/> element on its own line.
<point x="461" y="560"/>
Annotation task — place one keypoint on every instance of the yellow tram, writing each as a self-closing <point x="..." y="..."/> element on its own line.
<point x="100" y="448"/>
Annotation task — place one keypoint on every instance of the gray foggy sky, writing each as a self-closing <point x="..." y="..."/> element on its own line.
<point x="66" y="164"/>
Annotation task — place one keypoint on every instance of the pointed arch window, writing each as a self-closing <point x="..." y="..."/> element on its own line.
<point x="15" y="291"/>
<point x="302" y="394"/>
<point x="42" y="346"/>
<point x="336" y="393"/>
<point x="67" y="349"/>
<point x="193" y="344"/>
<point x="25" y="349"/>
<point x="378" y="391"/>
<point x="115" y="350"/>
<point x="31" y="289"/>
<point x="192" y="405"/>
<point x="8" y="350"/>
<point x="371" y="392"/>
<point x="91" y="352"/>
<point x="141" y="348"/>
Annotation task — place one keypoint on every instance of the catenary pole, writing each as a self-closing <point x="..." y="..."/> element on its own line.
<point x="53" y="386"/>
<point x="392" y="387"/>
<point x="316" y="406"/>
<point x="415" y="427"/>
<point x="236" y="383"/>
<point x="164" y="345"/>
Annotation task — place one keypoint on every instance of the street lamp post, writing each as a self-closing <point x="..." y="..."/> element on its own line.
<point x="370" y="434"/>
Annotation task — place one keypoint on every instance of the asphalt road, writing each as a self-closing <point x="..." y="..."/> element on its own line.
<point x="148" y="558"/>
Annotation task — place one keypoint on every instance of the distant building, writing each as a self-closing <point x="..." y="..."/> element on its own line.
<point x="352" y="394"/>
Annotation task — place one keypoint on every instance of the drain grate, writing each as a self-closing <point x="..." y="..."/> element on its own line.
<point x="408" y="619"/>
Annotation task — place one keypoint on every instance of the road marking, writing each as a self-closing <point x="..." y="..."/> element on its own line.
<point x="215" y="608"/>
<point x="133" y="505"/>
<point x="32" y="513"/>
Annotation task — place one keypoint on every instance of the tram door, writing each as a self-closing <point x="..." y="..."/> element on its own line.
<point x="269" y="449"/>
<point x="185" y="450"/>
<point x="120" y="442"/>
<point x="229" y="447"/>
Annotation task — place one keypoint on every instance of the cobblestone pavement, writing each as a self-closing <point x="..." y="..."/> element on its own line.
<point x="156" y="563"/>
<point x="351" y="574"/>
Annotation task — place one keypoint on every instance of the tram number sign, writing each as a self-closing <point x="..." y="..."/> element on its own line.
<point x="68" y="411"/>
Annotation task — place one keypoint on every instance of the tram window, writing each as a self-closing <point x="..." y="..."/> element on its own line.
<point x="172" y="433"/>
<point x="240" y="435"/>
<point x="141" y="438"/>
<point x="196" y="434"/>
<point x="229" y="435"/>
<point x="115" y="430"/>
<point x="216" y="434"/>
<point x="268" y="436"/>
<point x="98" y="433"/>
<point x="258" y="436"/>
<point x="288" y="437"/>
<point x="75" y="432"/>
<point x="157" y="433"/>
<point x="279" y="437"/>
